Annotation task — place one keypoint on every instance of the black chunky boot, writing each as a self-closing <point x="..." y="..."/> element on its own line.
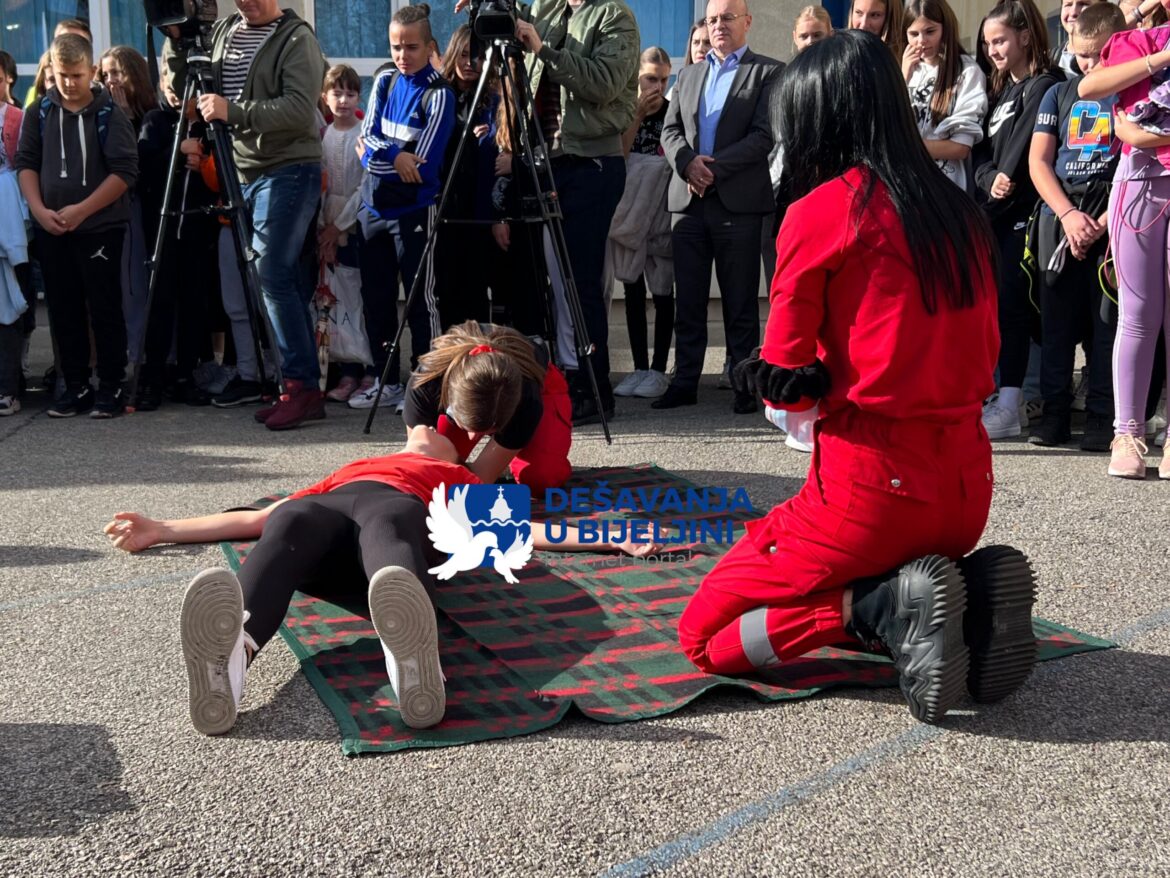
<point x="1001" y="590"/>
<point x="916" y="614"/>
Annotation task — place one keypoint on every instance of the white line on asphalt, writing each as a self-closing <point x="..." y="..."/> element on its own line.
<point x="685" y="846"/>
<point x="145" y="582"/>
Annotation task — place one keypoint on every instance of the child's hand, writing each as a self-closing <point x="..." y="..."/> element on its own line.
<point x="71" y="216"/>
<point x="910" y="59"/>
<point x="407" y="165"/>
<point x="192" y="148"/>
<point x="49" y="220"/>
<point x="636" y="550"/>
<point x="132" y="532"/>
<point x="1080" y="228"/>
<point x="118" y="96"/>
<point x="1002" y="186"/>
<point x="502" y="233"/>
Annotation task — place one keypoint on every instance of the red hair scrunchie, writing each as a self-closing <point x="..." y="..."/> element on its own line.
<point x="481" y="349"/>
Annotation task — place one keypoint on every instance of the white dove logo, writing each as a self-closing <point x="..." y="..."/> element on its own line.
<point x="452" y="531"/>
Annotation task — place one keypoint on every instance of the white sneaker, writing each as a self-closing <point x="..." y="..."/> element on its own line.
<point x="392" y="394"/>
<point x="211" y="628"/>
<point x="404" y="618"/>
<point x="1002" y="423"/>
<point x="653" y="385"/>
<point x="725" y="378"/>
<point x="627" y="385"/>
<point x="9" y="405"/>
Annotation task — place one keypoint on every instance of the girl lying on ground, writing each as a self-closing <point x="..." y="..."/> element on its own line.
<point x="360" y="530"/>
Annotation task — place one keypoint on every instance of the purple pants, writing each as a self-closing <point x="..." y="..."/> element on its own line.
<point x="1139" y="227"/>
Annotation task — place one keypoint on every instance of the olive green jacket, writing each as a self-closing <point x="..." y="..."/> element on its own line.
<point x="275" y="122"/>
<point x="596" y="68"/>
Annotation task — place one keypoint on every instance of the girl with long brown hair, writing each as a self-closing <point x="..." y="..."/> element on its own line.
<point x="948" y="91"/>
<point x="882" y="18"/>
<point x="123" y="72"/>
<point x="486" y="381"/>
<point x="1016" y="42"/>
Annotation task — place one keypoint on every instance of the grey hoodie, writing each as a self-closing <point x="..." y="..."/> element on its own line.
<point x="71" y="159"/>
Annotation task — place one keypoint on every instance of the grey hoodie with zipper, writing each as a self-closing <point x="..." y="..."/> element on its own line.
<point x="73" y="161"/>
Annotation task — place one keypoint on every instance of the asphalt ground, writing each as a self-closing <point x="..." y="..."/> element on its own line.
<point x="102" y="774"/>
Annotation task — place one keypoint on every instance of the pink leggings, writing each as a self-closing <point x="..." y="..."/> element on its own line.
<point x="1139" y="228"/>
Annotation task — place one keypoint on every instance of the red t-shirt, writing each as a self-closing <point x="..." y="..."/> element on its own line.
<point x="408" y="471"/>
<point x="845" y="290"/>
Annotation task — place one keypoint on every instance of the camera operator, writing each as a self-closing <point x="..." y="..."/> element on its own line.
<point x="268" y="69"/>
<point x="584" y="76"/>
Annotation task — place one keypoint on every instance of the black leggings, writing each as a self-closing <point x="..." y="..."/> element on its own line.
<point x="636" y="322"/>
<point x="328" y="546"/>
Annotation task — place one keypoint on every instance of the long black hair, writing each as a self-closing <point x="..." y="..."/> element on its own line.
<point x="842" y="104"/>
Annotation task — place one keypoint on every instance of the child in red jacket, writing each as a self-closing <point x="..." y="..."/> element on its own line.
<point x="885" y="282"/>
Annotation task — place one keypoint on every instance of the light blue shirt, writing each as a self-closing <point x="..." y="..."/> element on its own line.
<point x="720" y="75"/>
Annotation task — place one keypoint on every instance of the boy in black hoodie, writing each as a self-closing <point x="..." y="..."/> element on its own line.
<point x="76" y="161"/>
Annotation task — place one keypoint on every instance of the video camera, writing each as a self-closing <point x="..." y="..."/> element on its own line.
<point x="193" y="18"/>
<point x="492" y="19"/>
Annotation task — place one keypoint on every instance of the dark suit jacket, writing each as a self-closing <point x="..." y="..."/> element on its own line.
<point x="743" y="137"/>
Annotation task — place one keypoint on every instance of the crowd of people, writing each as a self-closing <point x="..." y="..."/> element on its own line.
<point x="657" y="185"/>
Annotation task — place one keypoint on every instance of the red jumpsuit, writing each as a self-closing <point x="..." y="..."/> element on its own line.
<point x="902" y="464"/>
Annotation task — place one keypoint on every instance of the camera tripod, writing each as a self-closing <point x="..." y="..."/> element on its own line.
<point x="200" y="80"/>
<point x="516" y="94"/>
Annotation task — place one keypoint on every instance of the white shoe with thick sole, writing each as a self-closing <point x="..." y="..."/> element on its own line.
<point x="653" y="385"/>
<point x="211" y="629"/>
<point x="1001" y="422"/>
<point x="629" y="384"/>
<point x="404" y="618"/>
<point x="392" y="395"/>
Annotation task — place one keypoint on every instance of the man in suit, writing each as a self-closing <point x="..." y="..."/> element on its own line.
<point x="718" y="136"/>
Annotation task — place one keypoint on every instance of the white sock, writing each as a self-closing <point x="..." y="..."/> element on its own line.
<point x="1010" y="398"/>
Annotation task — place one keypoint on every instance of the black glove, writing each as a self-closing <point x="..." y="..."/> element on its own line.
<point x="743" y="376"/>
<point x="778" y="384"/>
<point x="812" y="381"/>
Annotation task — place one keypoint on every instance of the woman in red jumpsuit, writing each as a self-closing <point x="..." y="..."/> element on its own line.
<point x="883" y="307"/>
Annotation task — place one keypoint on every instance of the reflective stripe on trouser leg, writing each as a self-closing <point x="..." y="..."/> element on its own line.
<point x="753" y="636"/>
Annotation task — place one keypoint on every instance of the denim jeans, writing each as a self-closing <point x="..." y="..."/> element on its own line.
<point x="282" y="204"/>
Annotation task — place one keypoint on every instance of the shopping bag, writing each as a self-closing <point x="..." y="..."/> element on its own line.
<point x="341" y="327"/>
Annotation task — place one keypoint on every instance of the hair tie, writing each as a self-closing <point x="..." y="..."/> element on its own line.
<point x="481" y="349"/>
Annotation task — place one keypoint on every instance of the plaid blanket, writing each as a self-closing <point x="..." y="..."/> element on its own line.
<point x="594" y="632"/>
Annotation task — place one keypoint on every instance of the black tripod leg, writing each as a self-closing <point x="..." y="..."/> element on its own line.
<point x="160" y="239"/>
<point x="521" y="97"/>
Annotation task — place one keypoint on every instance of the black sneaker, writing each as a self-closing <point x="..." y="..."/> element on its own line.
<point x="1001" y="589"/>
<point x="111" y="402"/>
<point x="916" y="614"/>
<point x="75" y="401"/>
<point x="1098" y="433"/>
<point x="1053" y="429"/>
<point x="238" y="392"/>
<point x="149" y="398"/>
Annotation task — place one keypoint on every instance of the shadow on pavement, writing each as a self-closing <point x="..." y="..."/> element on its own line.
<point x="55" y="779"/>
<point x="39" y="556"/>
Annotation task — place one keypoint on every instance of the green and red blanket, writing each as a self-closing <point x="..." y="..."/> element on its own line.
<point x="591" y="632"/>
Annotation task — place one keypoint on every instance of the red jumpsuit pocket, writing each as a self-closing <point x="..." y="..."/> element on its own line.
<point x="882" y="479"/>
